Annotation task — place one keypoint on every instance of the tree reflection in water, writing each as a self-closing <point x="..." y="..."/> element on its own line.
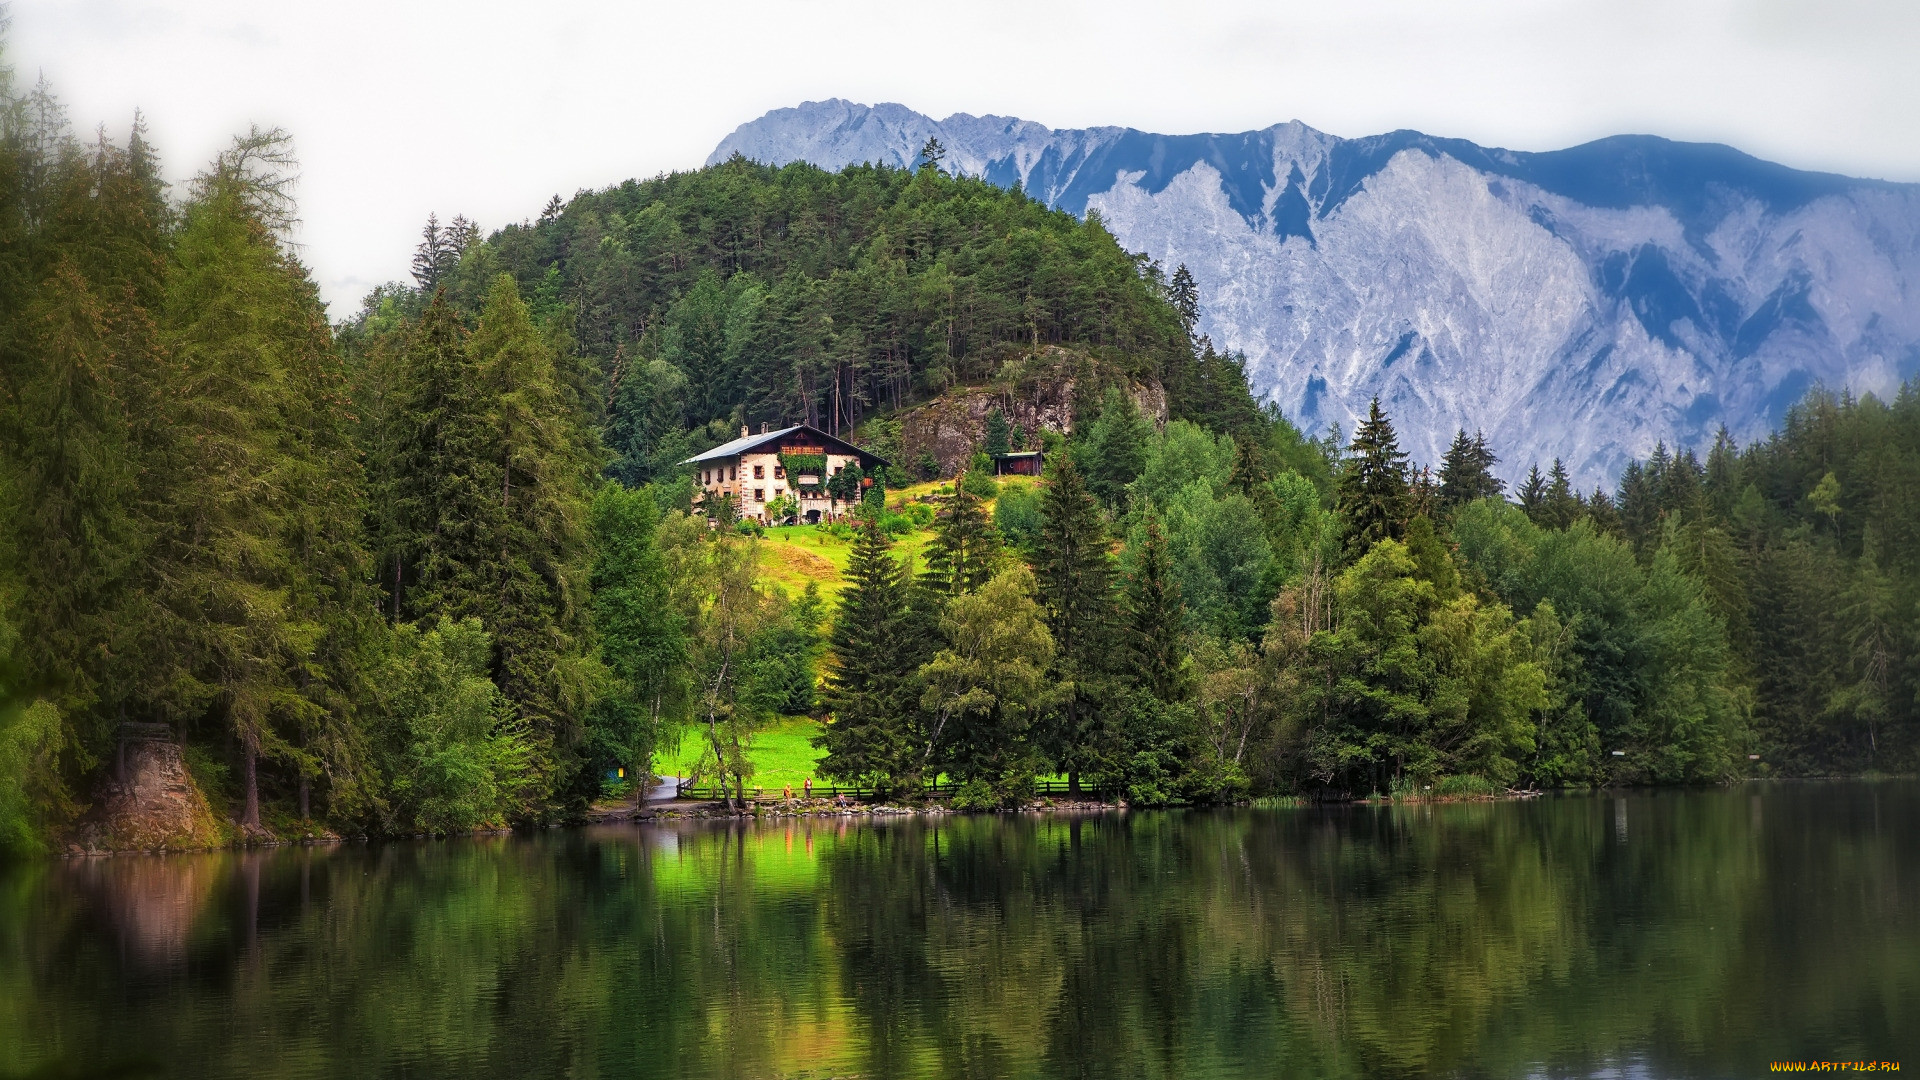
<point x="1678" y="933"/>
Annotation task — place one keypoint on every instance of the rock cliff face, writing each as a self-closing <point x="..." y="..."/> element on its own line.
<point x="1582" y="303"/>
<point x="153" y="805"/>
<point x="1036" y="393"/>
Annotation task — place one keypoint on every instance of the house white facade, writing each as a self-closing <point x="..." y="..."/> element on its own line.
<point x="751" y="469"/>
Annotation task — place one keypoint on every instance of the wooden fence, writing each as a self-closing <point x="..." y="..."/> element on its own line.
<point x="714" y="793"/>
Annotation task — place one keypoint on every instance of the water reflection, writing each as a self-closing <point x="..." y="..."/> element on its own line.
<point x="1479" y="940"/>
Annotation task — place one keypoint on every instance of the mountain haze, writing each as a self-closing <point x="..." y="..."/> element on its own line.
<point x="1581" y="303"/>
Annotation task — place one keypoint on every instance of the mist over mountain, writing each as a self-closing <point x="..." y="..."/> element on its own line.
<point x="1580" y="303"/>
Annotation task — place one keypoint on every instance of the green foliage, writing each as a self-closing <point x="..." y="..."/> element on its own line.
<point x="965" y="551"/>
<point x="641" y="627"/>
<point x="1373" y="484"/>
<point x="978" y="480"/>
<point x="1017" y="517"/>
<point x="456" y="758"/>
<point x="988" y="687"/>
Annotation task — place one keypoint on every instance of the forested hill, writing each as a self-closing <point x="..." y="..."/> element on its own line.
<point x="746" y="293"/>
<point x="436" y="568"/>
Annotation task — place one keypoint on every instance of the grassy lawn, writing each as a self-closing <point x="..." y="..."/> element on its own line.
<point x="781" y="754"/>
<point x="792" y="557"/>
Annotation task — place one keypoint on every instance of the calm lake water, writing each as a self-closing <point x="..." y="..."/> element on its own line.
<point x="1652" y="934"/>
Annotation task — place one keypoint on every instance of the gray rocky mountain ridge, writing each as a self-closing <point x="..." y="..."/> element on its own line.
<point x="1581" y="304"/>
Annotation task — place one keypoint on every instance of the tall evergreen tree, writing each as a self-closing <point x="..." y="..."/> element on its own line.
<point x="1184" y="295"/>
<point x="1561" y="505"/>
<point x="1466" y="473"/>
<point x="1155" y="617"/>
<point x="1372" y="488"/>
<point x="259" y="574"/>
<point x="1074" y="575"/>
<point x="966" y="547"/>
<point x="1533" y="495"/>
<point x="870" y="691"/>
<point x="998" y="432"/>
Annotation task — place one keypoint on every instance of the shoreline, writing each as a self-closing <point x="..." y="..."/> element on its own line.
<point x="674" y="810"/>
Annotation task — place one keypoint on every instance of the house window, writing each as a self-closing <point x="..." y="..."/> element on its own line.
<point x="759" y="494"/>
<point x="779" y="472"/>
<point x="759" y="472"/>
<point x="730" y="473"/>
<point x="836" y="470"/>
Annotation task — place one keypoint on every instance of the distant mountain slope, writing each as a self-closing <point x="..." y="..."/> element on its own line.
<point x="1580" y="303"/>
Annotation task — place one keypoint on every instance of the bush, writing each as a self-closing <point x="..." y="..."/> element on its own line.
<point x="1017" y="516"/>
<point x="980" y="483"/>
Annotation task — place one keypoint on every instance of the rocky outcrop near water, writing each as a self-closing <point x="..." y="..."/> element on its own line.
<point x="149" y="803"/>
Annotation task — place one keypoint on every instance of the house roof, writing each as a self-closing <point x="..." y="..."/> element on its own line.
<point x="746" y="443"/>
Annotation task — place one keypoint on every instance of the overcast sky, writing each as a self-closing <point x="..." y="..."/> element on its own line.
<point x="399" y="108"/>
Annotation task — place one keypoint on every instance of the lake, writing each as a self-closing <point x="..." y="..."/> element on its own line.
<point x="1671" y="933"/>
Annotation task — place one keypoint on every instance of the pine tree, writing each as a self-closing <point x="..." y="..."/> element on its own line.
<point x="1074" y="573"/>
<point x="1466" y="473"/>
<point x="261" y="566"/>
<point x="436" y="256"/>
<point x="1184" y="295"/>
<point x="966" y="547"/>
<point x="998" y="432"/>
<point x="1372" y="488"/>
<point x="869" y="690"/>
<point x="1115" y="448"/>
<point x="1560" y="505"/>
<point x="1155" y="617"/>
<point x="535" y="578"/>
<point x="1533" y="495"/>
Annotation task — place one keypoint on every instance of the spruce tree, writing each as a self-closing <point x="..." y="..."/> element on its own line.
<point x="1533" y="495"/>
<point x="261" y="567"/>
<point x="1372" y="487"/>
<point x="1154" y="616"/>
<point x="966" y="547"/>
<point x="1466" y="473"/>
<point x="1184" y="295"/>
<point x="1561" y="505"/>
<point x="997" y="441"/>
<point x="869" y="691"/>
<point x="1074" y="575"/>
<point x="535" y="579"/>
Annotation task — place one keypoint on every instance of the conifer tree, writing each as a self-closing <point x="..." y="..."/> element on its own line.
<point x="1372" y="488"/>
<point x="1155" y="616"/>
<point x="870" y="692"/>
<point x="535" y="577"/>
<point x="1184" y="295"/>
<point x="966" y="547"/>
<point x="1533" y="495"/>
<point x="1074" y="575"/>
<point x="1115" y="448"/>
<point x="1466" y="473"/>
<point x="998" y="432"/>
<point x="1561" y="505"/>
<point x="260" y="577"/>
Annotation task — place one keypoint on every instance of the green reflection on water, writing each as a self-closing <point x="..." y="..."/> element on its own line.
<point x="1678" y="933"/>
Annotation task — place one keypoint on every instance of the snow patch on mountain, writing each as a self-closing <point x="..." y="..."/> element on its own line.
<point x="1581" y="304"/>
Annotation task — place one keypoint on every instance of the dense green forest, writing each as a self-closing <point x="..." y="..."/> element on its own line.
<point x="434" y="567"/>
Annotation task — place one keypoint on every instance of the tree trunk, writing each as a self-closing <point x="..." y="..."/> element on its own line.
<point x="1073" y="783"/>
<point x="250" y="775"/>
<point x="305" y="786"/>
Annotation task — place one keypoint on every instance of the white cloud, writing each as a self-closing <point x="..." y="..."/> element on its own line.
<point x="487" y="108"/>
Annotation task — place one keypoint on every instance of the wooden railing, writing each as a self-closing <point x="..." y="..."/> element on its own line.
<point x="760" y="793"/>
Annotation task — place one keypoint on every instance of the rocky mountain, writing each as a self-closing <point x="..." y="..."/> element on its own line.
<point x="1580" y="303"/>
